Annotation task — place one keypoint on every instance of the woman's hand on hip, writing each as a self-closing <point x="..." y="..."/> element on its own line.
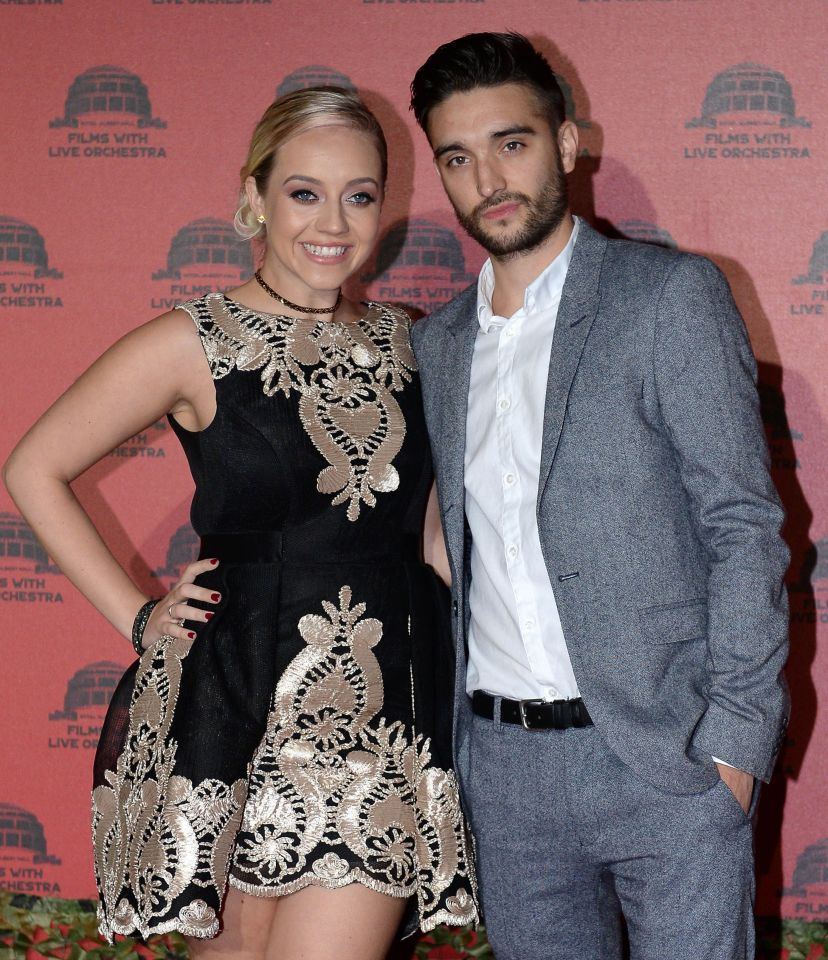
<point x="174" y="612"/>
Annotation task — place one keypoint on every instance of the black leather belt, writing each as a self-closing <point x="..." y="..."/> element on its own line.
<point x="534" y="714"/>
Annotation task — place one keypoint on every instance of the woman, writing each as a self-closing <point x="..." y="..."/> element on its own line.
<point x="275" y="766"/>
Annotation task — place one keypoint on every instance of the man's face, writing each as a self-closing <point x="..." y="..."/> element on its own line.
<point x="502" y="167"/>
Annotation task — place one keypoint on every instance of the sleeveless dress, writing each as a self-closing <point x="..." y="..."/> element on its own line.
<point x="303" y="737"/>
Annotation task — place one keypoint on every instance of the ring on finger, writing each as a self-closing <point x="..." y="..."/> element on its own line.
<point x="177" y="620"/>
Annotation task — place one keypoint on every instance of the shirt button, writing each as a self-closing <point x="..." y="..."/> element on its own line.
<point x="512" y="551"/>
<point x="552" y="693"/>
<point x="510" y="332"/>
<point x="505" y="403"/>
<point x="509" y="479"/>
<point x="529" y="623"/>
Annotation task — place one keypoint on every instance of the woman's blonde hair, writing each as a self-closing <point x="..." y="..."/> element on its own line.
<point x="291" y="114"/>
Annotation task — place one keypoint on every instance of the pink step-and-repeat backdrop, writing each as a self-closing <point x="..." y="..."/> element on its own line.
<point x="704" y="124"/>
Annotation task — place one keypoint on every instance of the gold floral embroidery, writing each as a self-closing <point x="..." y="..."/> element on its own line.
<point x="345" y="376"/>
<point x="154" y="833"/>
<point x="328" y="776"/>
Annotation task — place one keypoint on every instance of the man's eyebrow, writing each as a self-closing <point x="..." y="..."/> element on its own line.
<point x="515" y="131"/>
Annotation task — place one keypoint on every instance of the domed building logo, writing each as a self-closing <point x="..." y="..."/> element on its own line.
<point x="807" y="897"/>
<point x="24" y="267"/>
<point x="87" y="696"/>
<point x="818" y="264"/>
<point x="25" y="861"/>
<point x="20" y="550"/>
<point x="313" y="75"/>
<point x="748" y="93"/>
<point x="646" y="232"/>
<point x="749" y="113"/>
<point x="107" y="93"/>
<point x="107" y="113"/>
<point x="26" y="573"/>
<point x="420" y="264"/>
<point x="813" y="302"/>
<point x="204" y="255"/>
<point x="182" y="550"/>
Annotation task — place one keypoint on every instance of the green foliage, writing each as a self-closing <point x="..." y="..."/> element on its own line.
<point x="32" y="927"/>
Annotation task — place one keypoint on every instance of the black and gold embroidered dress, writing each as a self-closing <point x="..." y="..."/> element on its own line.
<point x="303" y="736"/>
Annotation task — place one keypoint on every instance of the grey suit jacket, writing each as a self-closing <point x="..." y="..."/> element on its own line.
<point x="658" y="519"/>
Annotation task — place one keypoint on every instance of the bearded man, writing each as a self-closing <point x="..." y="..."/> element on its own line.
<point x="614" y="539"/>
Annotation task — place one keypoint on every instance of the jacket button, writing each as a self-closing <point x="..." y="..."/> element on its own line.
<point x="454" y="607"/>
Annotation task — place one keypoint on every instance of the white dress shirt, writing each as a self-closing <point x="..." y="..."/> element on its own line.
<point x="516" y="644"/>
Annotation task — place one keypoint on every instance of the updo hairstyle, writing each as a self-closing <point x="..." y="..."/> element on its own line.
<point x="292" y="114"/>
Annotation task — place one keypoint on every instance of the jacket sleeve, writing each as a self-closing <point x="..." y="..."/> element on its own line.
<point x="705" y="377"/>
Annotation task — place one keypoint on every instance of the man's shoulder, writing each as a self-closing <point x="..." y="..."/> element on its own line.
<point x="652" y="265"/>
<point x="449" y="313"/>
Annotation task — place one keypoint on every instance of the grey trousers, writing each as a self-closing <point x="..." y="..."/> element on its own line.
<point x="566" y="835"/>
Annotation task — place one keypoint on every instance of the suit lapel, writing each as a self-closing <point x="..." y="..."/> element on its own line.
<point x="461" y="334"/>
<point x="576" y="313"/>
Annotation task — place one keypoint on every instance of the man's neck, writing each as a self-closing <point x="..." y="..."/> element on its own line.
<point x="514" y="274"/>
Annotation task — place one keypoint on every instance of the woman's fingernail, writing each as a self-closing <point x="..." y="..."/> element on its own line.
<point x="215" y="597"/>
<point x="214" y="561"/>
<point x="209" y="616"/>
<point x="191" y="635"/>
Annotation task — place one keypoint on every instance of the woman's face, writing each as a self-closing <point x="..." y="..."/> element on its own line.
<point x="322" y="209"/>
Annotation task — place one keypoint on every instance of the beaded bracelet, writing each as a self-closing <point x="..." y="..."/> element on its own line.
<point x="139" y="624"/>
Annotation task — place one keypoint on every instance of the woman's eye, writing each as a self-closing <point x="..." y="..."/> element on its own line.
<point x="361" y="199"/>
<point x="303" y="196"/>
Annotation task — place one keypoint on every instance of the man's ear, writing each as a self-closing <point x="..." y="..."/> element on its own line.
<point x="568" y="145"/>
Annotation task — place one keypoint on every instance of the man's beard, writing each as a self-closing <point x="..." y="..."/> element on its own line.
<point x="545" y="213"/>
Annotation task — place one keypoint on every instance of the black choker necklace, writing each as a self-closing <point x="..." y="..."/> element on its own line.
<point x="295" y="306"/>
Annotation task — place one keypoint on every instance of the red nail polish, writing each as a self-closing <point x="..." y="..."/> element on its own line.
<point x="209" y="616"/>
<point x="191" y="635"/>
<point x="215" y="597"/>
<point x="214" y="561"/>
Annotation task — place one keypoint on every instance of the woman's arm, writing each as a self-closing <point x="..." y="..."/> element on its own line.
<point x="434" y="544"/>
<point x="156" y="369"/>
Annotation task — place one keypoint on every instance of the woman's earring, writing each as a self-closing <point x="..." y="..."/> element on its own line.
<point x="260" y="218"/>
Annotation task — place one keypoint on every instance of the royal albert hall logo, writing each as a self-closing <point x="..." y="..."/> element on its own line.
<point x="78" y="725"/>
<point x="26" y="866"/>
<point x="748" y="113"/>
<point x="205" y="255"/>
<point x="107" y="115"/>
<point x="807" y="897"/>
<point x="26" y="572"/>
<point x="26" y="279"/>
<point x="182" y="549"/>
<point x="812" y="287"/>
<point x="419" y="264"/>
<point x="313" y="75"/>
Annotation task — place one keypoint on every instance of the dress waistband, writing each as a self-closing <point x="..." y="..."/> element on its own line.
<point x="269" y="546"/>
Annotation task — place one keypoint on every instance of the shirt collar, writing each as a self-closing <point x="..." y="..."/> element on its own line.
<point x="544" y="292"/>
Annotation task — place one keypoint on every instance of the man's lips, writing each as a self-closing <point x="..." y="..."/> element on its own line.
<point x="502" y="210"/>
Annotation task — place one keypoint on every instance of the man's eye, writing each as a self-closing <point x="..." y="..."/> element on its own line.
<point x="456" y="162"/>
<point x="303" y="196"/>
<point x="512" y="146"/>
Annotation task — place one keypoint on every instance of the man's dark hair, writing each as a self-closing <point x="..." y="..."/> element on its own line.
<point x="485" y="60"/>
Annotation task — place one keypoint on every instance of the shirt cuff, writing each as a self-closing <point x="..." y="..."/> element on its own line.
<point x="724" y="763"/>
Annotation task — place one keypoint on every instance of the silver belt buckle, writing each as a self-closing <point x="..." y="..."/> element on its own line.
<point x="522" y="708"/>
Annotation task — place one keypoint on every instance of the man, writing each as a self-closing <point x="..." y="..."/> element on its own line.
<point x="613" y="535"/>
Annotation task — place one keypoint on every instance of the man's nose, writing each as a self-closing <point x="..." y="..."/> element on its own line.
<point x="490" y="180"/>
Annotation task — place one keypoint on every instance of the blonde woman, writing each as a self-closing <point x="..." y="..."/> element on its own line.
<point x="274" y="773"/>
